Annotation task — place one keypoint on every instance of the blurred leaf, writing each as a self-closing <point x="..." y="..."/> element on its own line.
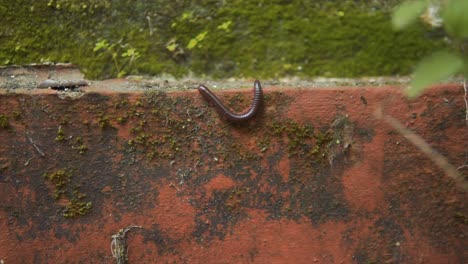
<point x="186" y="15"/>
<point x="101" y="45"/>
<point x="437" y="67"/>
<point x="201" y="36"/>
<point x="195" y="41"/>
<point x="131" y="53"/>
<point x="225" y="26"/>
<point x="192" y="43"/>
<point x="171" y="47"/>
<point x="456" y="18"/>
<point x="407" y="13"/>
<point x="121" y="74"/>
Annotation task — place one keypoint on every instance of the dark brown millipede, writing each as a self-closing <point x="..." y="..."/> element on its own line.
<point x="225" y="112"/>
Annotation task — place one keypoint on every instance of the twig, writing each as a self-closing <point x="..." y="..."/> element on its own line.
<point x="35" y="146"/>
<point x="44" y="108"/>
<point x="119" y="247"/>
<point x="465" y="164"/>
<point x="174" y="186"/>
<point x="466" y="101"/>
<point x="150" y="25"/>
<point x="424" y="147"/>
<point x="27" y="162"/>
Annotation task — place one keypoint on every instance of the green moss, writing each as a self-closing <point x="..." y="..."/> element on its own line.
<point x="136" y="130"/>
<point x="75" y="205"/>
<point x="59" y="179"/>
<point x="234" y="199"/>
<point x="103" y="122"/>
<point x="461" y="217"/>
<point x="142" y="138"/>
<point x="122" y="119"/>
<point x="171" y="135"/>
<point x="76" y="208"/>
<point x="4" y="123"/>
<point x="174" y="144"/>
<point x="264" y="143"/>
<point x="322" y="140"/>
<point x="121" y="104"/>
<point x="60" y="134"/>
<point x="276" y="128"/>
<point x="317" y="39"/>
<point x="80" y="146"/>
<point x="232" y="38"/>
<point x="298" y="135"/>
<point x="64" y="120"/>
<point x="16" y="115"/>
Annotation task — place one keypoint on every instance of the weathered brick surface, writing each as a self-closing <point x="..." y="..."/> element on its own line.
<point x="314" y="178"/>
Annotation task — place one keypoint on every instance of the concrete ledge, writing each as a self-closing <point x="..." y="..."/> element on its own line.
<point x="315" y="178"/>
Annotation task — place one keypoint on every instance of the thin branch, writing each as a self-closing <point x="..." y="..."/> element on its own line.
<point x="424" y="147"/>
<point x="150" y="25"/>
<point x="27" y="163"/>
<point x="35" y="146"/>
<point x="465" y="97"/>
<point x="44" y="108"/>
<point x="465" y="164"/>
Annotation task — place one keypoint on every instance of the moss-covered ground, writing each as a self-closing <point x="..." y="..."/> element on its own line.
<point x="221" y="39"/>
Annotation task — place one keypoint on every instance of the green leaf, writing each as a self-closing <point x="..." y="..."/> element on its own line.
<point x="437" y="67"/>
<point x="171" y="47"/>
<point x="456" y="18"/>
<point x="131" y="52"/>
<point x="201" y="36"/>
<point x="186" y="15"/>
<point x="407" y="13"/>
<point x="192" y="43"/>
<point x="225" y="26"/>
<point x="121" y="74"/>
<point x="101" y="45"/>
<point x="195" y="41"/>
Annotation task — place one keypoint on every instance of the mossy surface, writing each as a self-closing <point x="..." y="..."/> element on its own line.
<point x="4" y="123"/>
<point x="75" y="205"/>
<point x="127" y="155"/>
<point x="263" y="39"/>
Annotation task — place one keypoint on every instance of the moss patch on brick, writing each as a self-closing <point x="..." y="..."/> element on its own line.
<point x="4" y="123"/>
<point x="63" y="190"/>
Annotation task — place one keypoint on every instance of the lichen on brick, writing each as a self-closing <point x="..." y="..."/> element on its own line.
<point x="4" y="122"/>
<point x="64" y="189"/>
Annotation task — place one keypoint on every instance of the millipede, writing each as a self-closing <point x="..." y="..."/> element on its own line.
<point x="225" y="112"/>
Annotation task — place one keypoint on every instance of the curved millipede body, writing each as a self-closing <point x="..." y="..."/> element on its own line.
<point x="225" y="112"/>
